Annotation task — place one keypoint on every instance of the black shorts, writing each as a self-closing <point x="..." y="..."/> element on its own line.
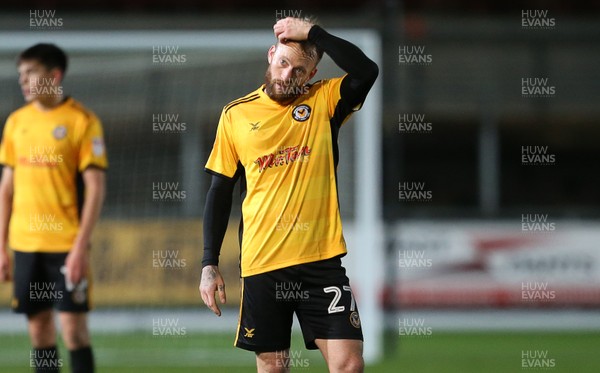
<point x="39" y="285"/>
<point x="319" y="293"/>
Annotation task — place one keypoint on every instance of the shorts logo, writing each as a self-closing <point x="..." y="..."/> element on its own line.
<point x="59" y="132"/>
<point x="249" y="332"/>
<point x="301" y="113"/>
<point x="355" y="319"/>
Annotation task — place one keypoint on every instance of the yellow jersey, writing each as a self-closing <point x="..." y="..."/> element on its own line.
<point x="48" y="150"/>
<point x="289" y="155"/>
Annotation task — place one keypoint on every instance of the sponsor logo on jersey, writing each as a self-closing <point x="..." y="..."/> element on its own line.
<point x="42" y="156"/>
<point x="301" y="113"/>
<point x="282" y="157"/>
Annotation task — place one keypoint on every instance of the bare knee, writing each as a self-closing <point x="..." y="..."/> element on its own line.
<point x="273" y="362"/>
<point x="342" y="356"/>
<point x="76" y="339"/>
<point x="351" y="364"/>
<point x="41" y="329"/>
<point x="75" y="332"/>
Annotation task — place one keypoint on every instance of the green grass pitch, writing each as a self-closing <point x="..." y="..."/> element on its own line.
<point x="439" y="352"/>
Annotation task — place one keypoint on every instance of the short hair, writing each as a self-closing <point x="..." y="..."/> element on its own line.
<point x="48" y="55"/>
<point x="309" y="49"/>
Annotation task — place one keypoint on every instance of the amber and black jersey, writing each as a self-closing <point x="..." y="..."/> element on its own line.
<point x="288" y="156"/>
<point x="47" y="150"/>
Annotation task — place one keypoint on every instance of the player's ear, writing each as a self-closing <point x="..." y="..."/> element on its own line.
<point x="312" y="73"/>
<point x="57" y="74"/>
<point x="270" y="53"/>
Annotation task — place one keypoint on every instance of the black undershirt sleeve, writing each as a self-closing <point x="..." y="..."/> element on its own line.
<point x="362" y="71"/>
<point x="216" y="216"/>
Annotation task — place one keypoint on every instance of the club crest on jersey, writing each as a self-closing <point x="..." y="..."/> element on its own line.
<point x="59" y="132"/>
<point x="301" y="113"/>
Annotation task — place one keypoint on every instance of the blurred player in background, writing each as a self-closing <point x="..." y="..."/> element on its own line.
<point x="52" y="151"/>
<point x="281" y="141"/>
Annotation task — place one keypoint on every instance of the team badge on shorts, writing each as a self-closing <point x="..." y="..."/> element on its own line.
<point x="301" y="113"/>
<point x="355" y="319"/>
<point x="79" y="296"/>
<point x="59" y="132"/>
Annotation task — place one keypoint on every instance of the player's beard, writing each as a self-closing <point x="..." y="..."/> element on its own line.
<point x="290" y="93"/>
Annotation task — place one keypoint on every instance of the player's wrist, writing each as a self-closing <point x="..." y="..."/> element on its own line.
<point x="80" y="247"/>
<point x="210" y="259"/>
<point x="306" y="30"/>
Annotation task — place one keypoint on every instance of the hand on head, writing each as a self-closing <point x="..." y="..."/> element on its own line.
<point x="292" y="29"/>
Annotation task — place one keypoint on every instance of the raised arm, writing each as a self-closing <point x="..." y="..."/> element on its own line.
<point x="362" y="71"/>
